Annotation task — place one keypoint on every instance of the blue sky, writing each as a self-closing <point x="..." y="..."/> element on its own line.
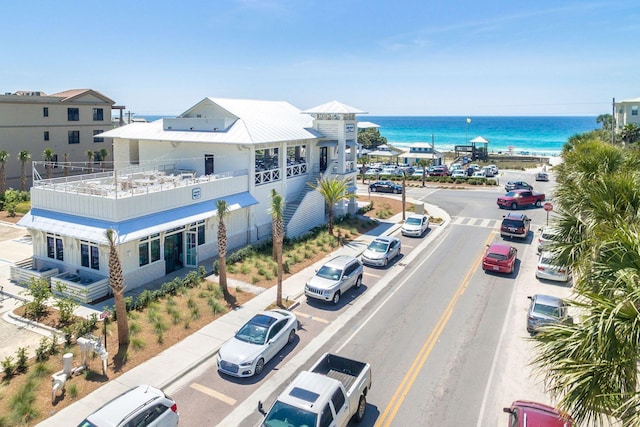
<point x="424" y="57"/>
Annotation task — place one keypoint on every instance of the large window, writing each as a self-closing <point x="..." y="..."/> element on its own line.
<point x="45" y="111"/>
<point x="634" y="110"/>
<point x="55" y="248"/>
<point x="74" y="137"/>
<point x="267" y="159"/>
<point x="96" y="132"/>
<point x="199" y="228"/>
<point x="98" y="114"/>
<point x="89" y="255"/>
<point x="73" y="114"/>
<point x="149" y="249"/>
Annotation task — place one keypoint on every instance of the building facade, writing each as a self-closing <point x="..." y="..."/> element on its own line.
<point x="627" y="113"/>
<point x="168" y="175"/>
<point x="66" y="122"/>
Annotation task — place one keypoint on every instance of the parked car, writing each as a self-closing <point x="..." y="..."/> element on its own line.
<point x="520" y="198"/>
<point x="480" y="174"/>
<point x="523" y="413"/>
<point x="549" y="269"/>
<point x="458" y="173"/>
<point x="415" y="225"/>
<point x="441" y="170"/>
<point x="257" y="342"/>
<point x="517" y="185"/>
<point x="385" y="187"/>
<point x="335" y="278"/>
<point x="143" y="405"/>
<point x="515" y="225"/>
<point x="545" y="310"/>
<point x="547" y="237"/>
<point x="542" y="176"/>
<point x="488" y="172"/>
<point x="381" y="250"/>
<point x="494" y="169"/>
<point x="500" y="258"/>
<point x="418" y="172"/>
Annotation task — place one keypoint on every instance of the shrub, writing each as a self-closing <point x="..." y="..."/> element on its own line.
<point x="137" y="343"/>
<point x="255" y="279"/>
<point x="8" y="366"/>
<point x="22" y="407"/>
<point x="39" y="370"/>
<point x="64" y="304"/>
<point x="42" y="351"/>
<point x="216" y="306"/>
<point x="73" y="391"/>
<point x="39" y="291"/>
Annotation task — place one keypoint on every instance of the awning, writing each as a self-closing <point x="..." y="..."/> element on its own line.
<point x="351" y="143"/>
<point x="94" y="230"/>
<point x="331" y="143"/>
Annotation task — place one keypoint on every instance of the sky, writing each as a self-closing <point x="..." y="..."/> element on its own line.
<point x="423" y="57"/>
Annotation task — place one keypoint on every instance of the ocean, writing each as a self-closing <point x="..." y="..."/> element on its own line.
<point x="535" y="135"/>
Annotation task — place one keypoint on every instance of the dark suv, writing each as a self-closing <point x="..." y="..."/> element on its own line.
<point x="515" y="225"/>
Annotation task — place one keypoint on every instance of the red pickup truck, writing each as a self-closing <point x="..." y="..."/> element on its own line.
<point x="518" y="198"/>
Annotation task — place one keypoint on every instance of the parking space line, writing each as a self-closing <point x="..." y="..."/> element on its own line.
<point x="371" y="274"/>
<point x="312" y="317"/>
<point x="407" y="246"/>
<point x="210" y="392"/>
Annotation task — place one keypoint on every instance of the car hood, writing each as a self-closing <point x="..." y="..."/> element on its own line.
<point x="321" y="283"/>
<point x="410" y="227"/>
<point x="236" y="351"/>
<point x="373" y="254"/>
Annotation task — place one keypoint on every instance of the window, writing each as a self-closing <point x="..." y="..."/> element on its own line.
<point x="200" y="233"/>
<point x="74" y="137"/>
<point x="73" y="114"/>
<point x="46" y="135"/>
<point x="89" y="255"/>
<point x="55" y="249"/>
<point x="634" y="110"/>
<point x="149" y="249"/>
<point x="96" y="132"/>
<point x="326" y="417"/>
<point x="338" y="400"/>
<point x="54" y="160"/>
<point x="98" y="114"/>
<point x="45" y="111"/>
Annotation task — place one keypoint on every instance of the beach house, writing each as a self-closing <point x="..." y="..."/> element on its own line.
<point x="168" y="175"/>
<point x="627" y="113"/>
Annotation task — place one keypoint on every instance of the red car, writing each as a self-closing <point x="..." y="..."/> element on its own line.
<point x="524" y="413"/>
<point x="500" y="258"/>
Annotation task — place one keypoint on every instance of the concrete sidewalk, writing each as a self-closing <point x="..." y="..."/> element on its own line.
<point x="167" y="368"/>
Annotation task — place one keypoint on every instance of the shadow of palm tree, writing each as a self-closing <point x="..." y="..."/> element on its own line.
<point x="120" y="358"/>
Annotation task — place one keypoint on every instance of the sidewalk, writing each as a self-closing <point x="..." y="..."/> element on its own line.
<point x="167" y="368"/>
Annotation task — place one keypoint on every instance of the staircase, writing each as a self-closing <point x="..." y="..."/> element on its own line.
<point x="292" y="205"/>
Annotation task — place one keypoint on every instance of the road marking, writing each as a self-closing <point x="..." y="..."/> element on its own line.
<point x="210" y="392"/>
<point x="312" y="317"/>
<point x="407" y="246"/>
<point x="371" y="274"/>
<point x="407" y="382"/>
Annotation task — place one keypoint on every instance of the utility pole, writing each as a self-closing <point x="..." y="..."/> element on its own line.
<point x="613" y="121"/>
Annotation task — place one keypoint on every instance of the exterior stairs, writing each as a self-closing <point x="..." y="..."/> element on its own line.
<point x="291" y="206"/>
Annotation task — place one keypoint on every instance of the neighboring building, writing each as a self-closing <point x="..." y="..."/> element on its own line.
<point x="627" y="113"/>
<point x="161" y="197"/>
<point x="421" y="151"/>
<point x="66" y="122"/>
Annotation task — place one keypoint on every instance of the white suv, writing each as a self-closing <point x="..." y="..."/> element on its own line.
<point x="335" y="278"/>
<point x="144" y="405"/>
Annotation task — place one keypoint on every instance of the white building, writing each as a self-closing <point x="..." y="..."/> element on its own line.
<point x="161" y="197"/>
<point x="627" y="113"/>
<point x="66" y="122"/>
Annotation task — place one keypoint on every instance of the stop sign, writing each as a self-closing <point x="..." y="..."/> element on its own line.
<point x="548" y="206"/>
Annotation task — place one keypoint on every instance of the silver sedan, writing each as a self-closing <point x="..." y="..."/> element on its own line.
<point x="381" y="250"/>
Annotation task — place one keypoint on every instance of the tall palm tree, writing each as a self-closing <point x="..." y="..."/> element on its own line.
<point x="223" y="210"/>
<point x="66" y="164"/>
<point x="333" y="190"/>
<point x="4" y="156"/>
<point x="606" y="120"/>
<point x="24" y="157"/>
<point x="277" y="209"/>
<point x="423" y="163"/>
<point x="116" y="282"/>
<point x="104" y="153"/>
<point x="364" y="161"/>
<point x="90" y="155"/>
<point x="47" y="155"/>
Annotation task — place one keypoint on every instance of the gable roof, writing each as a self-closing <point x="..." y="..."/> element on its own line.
<point x="334" y="107"/>
<point x="73" y="94"/>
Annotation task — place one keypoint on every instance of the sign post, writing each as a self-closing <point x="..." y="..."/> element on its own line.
<point x="104" y="316"/>
<point x="548" y="207"/>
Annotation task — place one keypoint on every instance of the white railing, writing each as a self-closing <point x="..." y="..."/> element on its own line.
<point x="22" y="272"/>
<point x="267" y="176"/>
<point x="295" y="170"/>
<point x="79" y="288"/>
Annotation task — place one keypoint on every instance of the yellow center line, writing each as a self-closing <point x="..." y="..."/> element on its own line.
<point x="407" y="382"/>
<point x="215" y="394"/>
<point x="312" y="317"/>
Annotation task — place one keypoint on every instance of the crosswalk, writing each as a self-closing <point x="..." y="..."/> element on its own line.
<point x="483" y="222"/>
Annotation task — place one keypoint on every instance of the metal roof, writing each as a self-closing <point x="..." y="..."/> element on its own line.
<point x="334" y="107"/>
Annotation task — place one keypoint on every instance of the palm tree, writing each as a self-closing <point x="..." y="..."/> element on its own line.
<point x="47" y="154"/>
<point x="423" y="163"/>
<point x="116" y="282"/>
<point x="364" y="161"/>
<point x="24" y="157"/>
<point x="104" y="153"/>
<point x="90" y="162"/>
<point x="606" y="120"/>
<point x="223" y="211"/>
<point x="3" y="172"/>
<point x="277" y="209"/>
<point x="630" y="134"/>
<point x="333" y="190"/>
<point x="66" y="164"/>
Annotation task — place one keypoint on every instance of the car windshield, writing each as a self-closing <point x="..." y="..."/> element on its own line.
<point x="330" y="273"/>
<point x="377" y="246"/>
<point x="497" y="257"/>
<point x="547" y="310"/>
<point x="413" y="221"/>
<point x="282" y="414"/>
<point x="252" y="334"/>
<point x="512" y="194"/>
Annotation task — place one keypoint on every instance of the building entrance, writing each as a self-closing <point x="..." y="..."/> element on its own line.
<point x="173" y="252"/>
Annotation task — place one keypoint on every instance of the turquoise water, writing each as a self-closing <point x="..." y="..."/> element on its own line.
<point x="534" y="135"/>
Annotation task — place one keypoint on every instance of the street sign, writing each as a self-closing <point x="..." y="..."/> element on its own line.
<point x="548" y="206"/>
<point x="105" y="314"/>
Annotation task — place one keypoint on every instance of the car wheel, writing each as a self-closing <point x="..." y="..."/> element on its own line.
<point x="358" y="282"/>
<point x="538" y="203"/>
<point x="514" y="205"/>
<point x="336" y="298"/>
<point x="259" y="367"/>
<point x="292" y="336"/>
<point x="386" y="261"/>
<point x="373" y="189"/>
<point x="396" y="191"/>
<point x="362" y="409"/>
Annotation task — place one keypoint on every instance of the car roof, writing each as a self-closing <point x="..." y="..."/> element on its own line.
<point x="415" y="215"/>
<point x="385" y="239"/>
<point x="541" y="414"/>
<point x="499" y="248"/>
<point x="340" y="261"/>
<point x="516" y="216"/>
<point x="120" y="407"/>
<point x="547" y="300"/>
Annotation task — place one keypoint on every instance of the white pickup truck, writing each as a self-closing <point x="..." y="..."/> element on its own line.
<point x="332" y="392"/>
